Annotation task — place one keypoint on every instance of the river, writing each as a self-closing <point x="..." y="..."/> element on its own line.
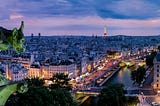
<point x="123" y="76"/>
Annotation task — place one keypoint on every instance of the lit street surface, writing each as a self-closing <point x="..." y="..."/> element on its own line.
<point x="95" y="76"/>
<point x="149" y="79"/>
<point x="155" y="98"/>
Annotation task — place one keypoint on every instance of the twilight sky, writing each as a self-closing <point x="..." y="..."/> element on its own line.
<point x="82" y="17"/>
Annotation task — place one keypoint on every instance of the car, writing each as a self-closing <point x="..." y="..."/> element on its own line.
<point x="154" y="104"/>
<point x="141" y="85"/>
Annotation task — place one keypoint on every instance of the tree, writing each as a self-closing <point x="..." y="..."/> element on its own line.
<point x="112" y="95"/>
<point x="62" y="98"/>
<point x="138" y="75"/>
<point x="133" y="75"/>
<point x="159" y="47"/>
<point x="35" y="96"/>
<point x="132" y="100"/>
<point x="60" y="80"/>
<point x="35" y="82"/>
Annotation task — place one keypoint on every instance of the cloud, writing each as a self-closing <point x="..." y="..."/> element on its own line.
<point x="122" y="9"/>
<point x="82" y="16"/>
<point x="130" y="9"/>
<point x="15" y="16"/>
<point x="116" y="9"/>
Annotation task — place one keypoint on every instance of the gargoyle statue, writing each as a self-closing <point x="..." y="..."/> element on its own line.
<point x="14" y="38"/>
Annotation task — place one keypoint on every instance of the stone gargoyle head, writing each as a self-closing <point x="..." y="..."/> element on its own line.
<point x="14" y="38"/>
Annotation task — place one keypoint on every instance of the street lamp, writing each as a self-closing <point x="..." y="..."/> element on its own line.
<point x="158" y="92"/>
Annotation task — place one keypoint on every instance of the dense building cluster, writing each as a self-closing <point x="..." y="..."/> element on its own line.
<point x="73" y="55"/>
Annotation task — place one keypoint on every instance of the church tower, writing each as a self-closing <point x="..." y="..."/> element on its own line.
<point x="32" y="59"/>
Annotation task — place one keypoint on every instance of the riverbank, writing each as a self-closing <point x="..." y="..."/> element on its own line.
<point x="112" y="74"/>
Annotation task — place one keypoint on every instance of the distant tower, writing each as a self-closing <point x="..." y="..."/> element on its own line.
<point x="31" y="59"/>
<point x="105" y="31"/>
<point x="39" y="35"/>
<point x="32" y="35"/>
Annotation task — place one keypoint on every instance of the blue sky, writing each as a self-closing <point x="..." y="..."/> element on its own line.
<point x="82" y="17"/>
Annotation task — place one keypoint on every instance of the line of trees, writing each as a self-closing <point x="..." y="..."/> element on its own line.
<point x="36" y="94"/>
<point x="150" y="58"/>
<point x="138" y="75"/>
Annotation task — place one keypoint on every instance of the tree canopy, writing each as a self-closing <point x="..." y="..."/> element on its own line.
<point x="112" y="95"/>
<point x="35" y="82"/>
<point x="149" y="58"/>
<point x="39" y="95"/>
<point x="138" y="75"/>
<point x="60" y="80"/>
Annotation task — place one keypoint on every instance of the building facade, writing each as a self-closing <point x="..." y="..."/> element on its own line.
<point x="156" y="78"/>
<point x="49" y="70"/>
<point x="16" y="72"/>
<point x="35" y="70"/>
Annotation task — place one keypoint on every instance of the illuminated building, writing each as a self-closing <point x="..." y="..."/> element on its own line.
<point x="16" y="72"/>
<point x="46" y="71"/>
<point x="65" y="67"/>
<point x="84" y="65"/>
<point x="35" y="70"/>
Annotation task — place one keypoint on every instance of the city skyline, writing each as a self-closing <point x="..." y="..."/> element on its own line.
<point x="87" y="17"/>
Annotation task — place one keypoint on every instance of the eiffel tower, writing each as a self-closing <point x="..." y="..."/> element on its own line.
<point x="105" y="32"/>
